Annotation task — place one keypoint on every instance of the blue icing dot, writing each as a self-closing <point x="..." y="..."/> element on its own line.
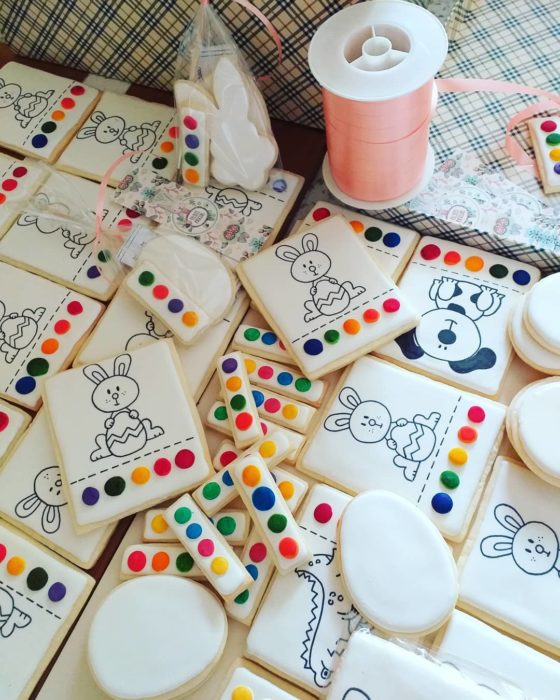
<point x="442" y="503"/>
<point x="193" y="531"/>
<point x="259" y="397"/>
<point x="269" y="338"/>
<point x="263" y="498"/>
<point x="39" y="141"/>
<point x="279" y="185"/>
<point x="285" y="378"/>
<point x="521" y="277"/>
<point x="557" y="168"/>
<point x="313" y="346"/>
<point x="226" y="478"/>
<point x="192" y="141"/>
<point x="253" y="571"/>
<point x="25" y="385"/>
<point x="391" y="239"/>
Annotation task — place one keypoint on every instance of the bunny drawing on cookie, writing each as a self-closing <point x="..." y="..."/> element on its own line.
<point x="370" y="422"/>
<point x="125" y="432"/>
<point x="533" y="546"/>
<point x="329" y="297"/>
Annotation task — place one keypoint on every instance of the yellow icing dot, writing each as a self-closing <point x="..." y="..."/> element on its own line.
<point x="15" y="566"/>
<point x="219" y="565"/>
<point x="458" y="456"/>
<point x="267" y="449"/>
<point x="251" y="475"/>
<point x="287" y="489"/>
<point x="474" y="263"/>
<point x="242" y="692"/>
<point x="233" y="383"/>
<point x="290" y="411"/>
<point x="190" y="318"/>
<point x="140" y="475"/>
<point x="555" y="154"/>
<point x="159" y="524"/>
<point x="250" y="365"/>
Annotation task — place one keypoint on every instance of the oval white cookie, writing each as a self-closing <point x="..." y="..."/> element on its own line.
<point x="541" y="312"/>
<point x="526" y="346"/>
<point x="156" y="637"/>
<point x="397" y="567"/>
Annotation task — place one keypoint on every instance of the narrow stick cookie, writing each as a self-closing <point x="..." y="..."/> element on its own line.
<point x="286" y="412"/>
<point x="232" y="524"/>
<point x="545" y="135"/>
<point x="284" y="380"/>
<point x="150" y="559"/>
<point x="262" y="342"/>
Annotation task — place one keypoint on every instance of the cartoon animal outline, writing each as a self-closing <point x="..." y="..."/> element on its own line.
<point x="355" y="694"/>
<point x="234" y="198"/>
<point x="150" y="332"/>
<point x="329" y="297"/>
<point x="125" y="432"/>
<point x="108" y="129"/>
<point x="370" y="422"/>
<point x="318" y="648"/>
<point x="11" y="618"/>
<point x="18" y="330"/>
<point x="48" y="496"/>
<point x="27" y="106"/>
<point x="533" y="546"/>
<point x="449" y="332"/>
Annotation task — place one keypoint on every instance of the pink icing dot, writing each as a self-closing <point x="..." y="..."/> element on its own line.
<point x="548" y="126"/>
<point x="391" y="305"/>
<point x="206" y="548"/>
<point x="265" y="372"/>
<point x="77" y="90"/>
<point x="322" y="513"/>
<point x="272" y="405"/>
<point x="190" y="122"/>
<point x="476" y="414"/>
<point x="321" y="213"/>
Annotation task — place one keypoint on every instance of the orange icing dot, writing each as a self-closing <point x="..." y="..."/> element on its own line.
<point x="160" y="561"/>
<point x="287" y="489"/>
<point x="58" y="115"/>
<point x="49" y="346"/>
<point x="251" y="475"/>
<point x="351" y="326"/>
<point x="474" y="263"/>
<point x="140" y="475"/>
<point x="190" y="318"/>
<point x="167" y="146"/>
<point x="15" y="566"/>
<point x="192" y="176"/>
<point x="233" y="383"/>
<point x="357" y="226"/>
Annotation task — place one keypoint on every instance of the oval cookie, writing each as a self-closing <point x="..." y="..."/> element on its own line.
<point x="156" y="637"/>
<point x="541" y="312"/>
<point x="529" y="350"/>
<point x="397" y="568"/>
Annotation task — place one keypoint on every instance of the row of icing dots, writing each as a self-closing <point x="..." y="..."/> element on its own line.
<point x="165" y="147"/>
<point x="458" y="456"/>
<point x="550" y="127"/>
<point x="104" y="256"/>
<point x="284" y="377"/>
<point x="37" y="578"/>
<point x="191" y="155"/>
<point x="266" y="337"/>
<point x="11" y="181"/>
<point x="140" y="475"/>
<point x="372" y="234"/>
<point x="39" y="365"/>
<point x="159" y="562"/>
<point x="220" y="415"/>
<point x="57" y="117"/>
<point x="351" y="326"/>
<point x="161" y="292"/>
<point x="125" y="224"/>
<point x="473" y="263"/>
<point x="235" y="384"/>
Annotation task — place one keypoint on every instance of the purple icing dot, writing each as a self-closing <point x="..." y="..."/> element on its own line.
<point x="93" y="272"/>
<point x="557" y="168"/>
<point x="90" y="496"/>
<point x="229" y="365"/>
<point x="192" y="141"/>
<point x="175" y="305"/>
<point x="57" y="592"/>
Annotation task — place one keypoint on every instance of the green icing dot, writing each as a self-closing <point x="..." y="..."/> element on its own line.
<point x="449" y="479"/>
<point x="226" y="525"/>
<point x="553" y="139"/>
<point x="146" y="278"/>
<point x="252" y="334"/>
<point x="184" y="562"/>
<point x="220" y="413"/>
<point x="191" y="158"/>
<point x="104" y="256"/>
<point x="373" y="234"/>
<point x="37" y="367"/>
<point x="277" y="523"/>
<point x="211" y="491"/>
<point x="238" y="402"/>
<point x="498" y="271"/>
<point x="242" y="597"/>
<point x="182" y="515"/>
<point x="332" y="337"/>
<point x="303" y="384"/>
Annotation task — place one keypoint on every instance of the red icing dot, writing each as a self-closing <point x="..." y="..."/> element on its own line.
<point x="391" y="305"/>
<point x="190" y="122"/>
<point x="2" y="198"/>
<point x="452" y="258"/>
<point x="184" y="459"/>
<point x="476" y="414"/>
<point x="323" y="513"/>
<point x="288" y="548"/>
<point x="4" y="421"/>
<point x="206" y="548"/>
<point x="125" y="224"/>
<point x="136" y="560"/>
<point x="160" y="291"/>
<point x="548" y="125"/>
<point x="257" y="553"/>
<point x="3" y="552"/>
<point x="132" y="214"/>
<point x="244" y="421"/>
<point x="265" y="372"/>
<point x="162" y="466"/>
<point x="62" y="327"/>
<point x="264" y="428"/>
<point x="321" y="213"/>
<point x="371" y="315"/>
<point x="67" y="103"/>
<point x="430" y="252"/>
<point x="74" y="308"/>
<point x="77" y="90"/>
<point x="467" y="434"/>
<point x="227" y="457"/>
<point x="9" y="185"/>
<point x="281" y="344"/>
<point x="272" y="405"/>
<point x="173" y="132"/>
<point x="20" y="171"/>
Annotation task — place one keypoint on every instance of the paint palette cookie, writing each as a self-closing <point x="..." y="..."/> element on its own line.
<point x="390" y="246"/>
<point x="40" y="111"/>
<point x="13" y="421"/>
<point x="40" y="597"/>
<point x="545" y="135"/>
<point x="32" y="497"/>
<point x="247" y="680"/>
<point x="401" y="432"/>
<point x="41" y="324"/>
<point x="335" y="304"/>
<point x="18" y="180"/>
<point x="509" y="568"/>
<point x="138" y="440"/>
<point x="465" y="296"/>
<point x="120" y="125"/>
<point x="526" y="346"/>
<point x="308" y="609"/>
<point x="127" y="326"/>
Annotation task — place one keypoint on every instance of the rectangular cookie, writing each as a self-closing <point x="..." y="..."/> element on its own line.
<point x="18" y="180"/>
<point x="283" y="411"/>
<point x="232" y="524"/>
<point x="13" y="422"/>
<point x="257" y="684"/>
<point x="284" y="380"/>
<point x="163" y="559"/>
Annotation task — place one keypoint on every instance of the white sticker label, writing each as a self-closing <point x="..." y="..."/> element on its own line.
<point x="130" y="250"/>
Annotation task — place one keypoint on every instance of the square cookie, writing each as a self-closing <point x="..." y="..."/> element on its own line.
<point x="13" y="421"/>
<point x="306" y="618"/>
<point x="509" y="569"/>
<point x="32" y="498"/>
<point x="390" y="246"/>
<point x="41" y="324"/>
<point x="63" y="250"/>
<point x="386" y="428"/>
<point x="465" y="296"/>
<point x="127" y="437"/>
<point x="123" y="124"/>
<point x="249" y="681"/>
<point x="18" y="180"/>
<point x="40" y="111"/>
<point x="40" y="597"/>
<point x="126" y="326"/>
<point x="335" y="303"/>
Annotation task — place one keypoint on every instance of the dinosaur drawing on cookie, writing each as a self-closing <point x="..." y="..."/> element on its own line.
<point x="18" y="330"/>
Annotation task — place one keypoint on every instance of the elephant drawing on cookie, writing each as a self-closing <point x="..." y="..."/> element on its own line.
<point x="450" y="332"/>
<point x="413" y="441"/>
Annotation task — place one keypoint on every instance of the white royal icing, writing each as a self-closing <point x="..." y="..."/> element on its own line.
<point x="283" y="411"/>
<point x="244" y="683"/>
<point x="24" y="177"/>
<point x="525" y="345"/>
<point x="545" y="151"/>
<point x="541" y="312"/>
<point x="158" y="560"/>
<point x="260" y="341"/>
<point x="284" y="380"/>
<point x="13" y="422"/>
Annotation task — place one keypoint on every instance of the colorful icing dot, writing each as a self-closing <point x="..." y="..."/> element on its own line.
<point x="331" y="337"/>
<point x="114" y="486"/>
<point x="253" y="571"/>
<point x="243" y="421"/>
<point x="229" y="365"/>
<point x="238" y="402"/>
<point x="371" y="315"/>
<point x="391" y="239"/>
<point x="184" y="562"/>
<point x="457" y="456"/>
<point x="58" y="115"/>
<point x="498" y="271"/>
<point x="74" y="308"/>
<point x="452" y="258"/>
<point x="392" y="305"/>
<point x="351" y="326"/>
<point x="191" y="159"/>
<point x="280" y="185"/>
<point x="2" y="198"/>
<point x="190" y="122"/>
<point x="233" y="383"/>
<point x="287" y="489"/>
<point x="302" y="383"/>
<point x="242" y="598"/>
<point x="160" y="561"/>
<point x="159" y="163"/>
<point x="554" y="154"/>
<point x="251" y="334"/>
<point x="3" y="552"/>
<point x="323" y="513"/>
<point x="57" y="592"/>
<point x="62" y="327"/>
<point x="20" y="171"/>
<point x="250" y="365"/>
<point x="146" y="278"/>
<point x="357" y="226"/>
<point x="37" y="579"/>
<point x="320" y="213"/>
<point x="184" y="459"/>
<point x="4" y="421"/>
<point x="286" y="378"/>
<point x="263" y="498"/>
<point x="277" y="523"/>
<point x="25" y="385"/>
<point x="548" y="125"/>
<point x="192" y="141"/>
<point x="8" y="185"/>
<point x="159" y="524"/>
<point x="48" y="127"/>
<point x="442" y="503"/>
<point x="37" y="366"/>
<point x="373" y="234"/>
<point x="251" y="475"/>
<point x="162" y="466"/>
<point x="257" y="552"/>
<point x="140" y="475"/>
<point x="105" y="255"/>
<point x="166" y="146"/>
<point x="474" y="263"/>
<point x="269" y="338"/>
<point x="191" y="176"/>
<point x="265" y="372"/>
<point x="211" y="491"/>
<point x="242" y="692"/>
<point x="449" y="479"/>
<point x="267" y="449"/>
<point x="288" y="548"/>
<point x="67" y="103"/>
<point x="227" y="457"/>
<point x="467" y="434"/>
<point x="430" y="252"/>
<point x="15" y="566"/>
<point x="193" y="531"/>
<point x="90" y="496"/>
<point x="219" y="566"/>
<point x="290" y="411"/>
<point x="226" y="525"/>
<point x="175" y="306"/>
<point x="136" y="560"/>
<point x="220" y="413"/>
<point x="93" y="272"/>
<point x="182" y="515"/>
<point x="476" y="414"/>
<point x="39" y="141"/>
<point x="522" y="277"/>
<point x="553" y="139"/>
<point x="313" y="346"/>
<point x="272" y="405"/>
<point x="160" y="291"/>
<point x="173" y="132"/>
<point x="205" y="548"/>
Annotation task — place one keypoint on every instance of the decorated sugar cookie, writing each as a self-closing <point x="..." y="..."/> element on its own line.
<point x="226" y="453"/>
<point x="286" y="412"/>
<point x="465" y="296"/>
<point x="185" y="632"/>
<point x="247" y="680"/>
<point x="409" y="540"/>
<point x="527" y="347"/>
<point x="262" y="342"/>
<point x="308" y="609"/>
<point x="540" y="312"/>
<point x="545" y="135"/>
<point x="512" y="555"/>
<point x="127" y="326"/>
<point x="161" y="559"/>
<point x="18" y="180"/>
<point x="32" y="497"/>
<point x="13" y="422"/>
<point x="120" y="125"/>
<point x="40" y="597"/>
<point x="390" y="246"/>
<point x="469" y="642"/>
<point x="138" y="440"/>
<point x="41" y="324"/>
<point x="404" y="433"/>
<point x="40" y="111"/>
<point x="335" y="303"/>
<point x="232" y="524"/>
<point x="284" y="380"/>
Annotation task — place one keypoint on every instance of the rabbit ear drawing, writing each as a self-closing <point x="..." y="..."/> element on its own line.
<point x="310" y="242"/>
<point x="497" y="546"/>
<point x="27" y="506"/>
<point x="508" y="517"/>
<point x="122" y="365"/>
<point x="50" y="520"/>
<point x="95" y="373"/>
<point x="288" y="253"/>
<point x="337" y="422"/>
<point x="349" y="397"/>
